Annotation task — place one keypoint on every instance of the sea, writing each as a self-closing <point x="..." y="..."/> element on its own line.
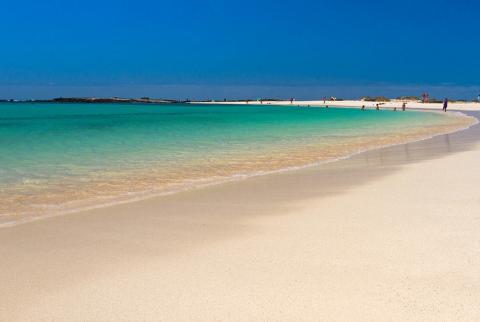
<point x="60" y="158"/>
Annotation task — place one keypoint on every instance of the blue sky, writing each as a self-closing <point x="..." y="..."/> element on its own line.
<point x="209" y="48"/>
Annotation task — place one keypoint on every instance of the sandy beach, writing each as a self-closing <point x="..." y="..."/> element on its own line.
<point x="390" y="234"/>
<point x="456" y="106"/>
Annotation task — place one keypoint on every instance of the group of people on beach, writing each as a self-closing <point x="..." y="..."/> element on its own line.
<point x="425" y="98"/>
<point x="377" y="107"/>
<point x="404" y="105"/>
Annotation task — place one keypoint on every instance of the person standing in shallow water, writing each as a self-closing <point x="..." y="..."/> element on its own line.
<point x="403" y="106"/>
<point x="445" y="104"/>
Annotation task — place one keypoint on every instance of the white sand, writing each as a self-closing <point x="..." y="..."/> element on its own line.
<point x="460" y="106"/>
<point x="362" y="240"/>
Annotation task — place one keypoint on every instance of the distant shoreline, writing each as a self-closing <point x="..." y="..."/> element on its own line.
<point x="393" y="104"/>
<point x="385" y="102"/>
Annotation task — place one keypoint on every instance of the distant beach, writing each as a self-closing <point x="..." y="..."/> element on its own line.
<point x="390" y="104"/>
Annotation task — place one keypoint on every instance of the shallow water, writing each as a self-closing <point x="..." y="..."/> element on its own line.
<point x="56" y="158"/>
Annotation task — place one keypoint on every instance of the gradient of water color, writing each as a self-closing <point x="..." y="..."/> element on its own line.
<point x="61" y="157"/>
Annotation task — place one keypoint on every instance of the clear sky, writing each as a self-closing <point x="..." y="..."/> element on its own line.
<point x="186" y="48"/>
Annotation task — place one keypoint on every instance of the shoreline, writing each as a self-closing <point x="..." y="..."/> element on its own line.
<point x="363" y="233"/>
<point x="145" y="195"/>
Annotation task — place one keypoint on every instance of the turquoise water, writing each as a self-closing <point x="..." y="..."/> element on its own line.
<point x="55" y="157"/>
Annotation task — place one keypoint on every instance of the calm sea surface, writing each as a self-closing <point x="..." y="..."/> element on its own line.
<point x="56" y="158"/>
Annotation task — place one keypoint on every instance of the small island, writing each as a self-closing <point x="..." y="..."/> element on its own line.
<point x="144" y="100"/>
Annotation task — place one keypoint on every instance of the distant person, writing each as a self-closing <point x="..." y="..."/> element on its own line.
<point x="395" y="109"/>
<point x="404" y="105"/>
<point x="425" y="97"/>
<point x="445" y="104"/>
<point x="377" y="107"/>
<point x="291" y="100"/>
<point x="324" y="99"/>
<point x="363" y="108"/>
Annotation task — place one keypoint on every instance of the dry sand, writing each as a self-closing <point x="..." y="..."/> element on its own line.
<point x="391" y="234"/>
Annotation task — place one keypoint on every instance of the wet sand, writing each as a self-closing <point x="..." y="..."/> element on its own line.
<point x="389" y="234"/>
